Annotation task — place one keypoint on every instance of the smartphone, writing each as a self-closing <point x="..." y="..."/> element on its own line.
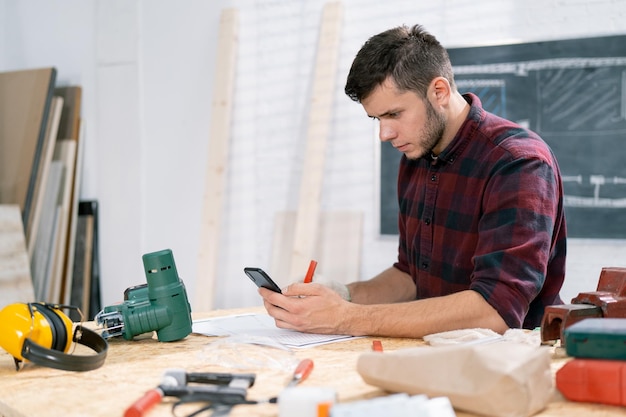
<point x="261" y="279"/>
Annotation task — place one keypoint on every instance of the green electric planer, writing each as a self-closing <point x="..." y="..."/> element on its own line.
<point x="161" y="305"/>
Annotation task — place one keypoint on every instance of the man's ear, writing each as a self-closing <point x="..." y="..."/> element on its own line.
<point x="439" y="91"/>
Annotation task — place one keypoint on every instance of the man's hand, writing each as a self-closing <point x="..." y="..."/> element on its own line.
<point x="311" y="308"/>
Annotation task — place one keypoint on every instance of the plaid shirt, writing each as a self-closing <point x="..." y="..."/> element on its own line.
<point x="486" y="215"/>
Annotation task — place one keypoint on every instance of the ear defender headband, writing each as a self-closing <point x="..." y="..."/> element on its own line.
<point x="40" y="333"/>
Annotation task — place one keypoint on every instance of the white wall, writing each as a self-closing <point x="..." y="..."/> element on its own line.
<point x="147" y="67"/>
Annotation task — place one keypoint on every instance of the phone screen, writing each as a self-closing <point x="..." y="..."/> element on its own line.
<point x="261" y="279"/>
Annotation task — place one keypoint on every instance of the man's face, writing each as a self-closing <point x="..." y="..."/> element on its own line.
<point x="410" y="123"/>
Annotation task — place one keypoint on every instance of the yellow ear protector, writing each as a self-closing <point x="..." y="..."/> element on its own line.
<point x="40" y="333"/>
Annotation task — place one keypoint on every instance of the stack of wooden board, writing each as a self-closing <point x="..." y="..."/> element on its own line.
<point x="40" y="160"/>
<point x="85" y="284"/>
<point x="15" y="282"/>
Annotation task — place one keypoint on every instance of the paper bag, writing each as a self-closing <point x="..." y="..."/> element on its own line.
<point x="500" y="379"/>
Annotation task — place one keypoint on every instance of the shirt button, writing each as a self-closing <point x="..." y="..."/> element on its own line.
<point x="433" y="178"/>
<point x="427" y="221"/>
<point x="424" y="265"/>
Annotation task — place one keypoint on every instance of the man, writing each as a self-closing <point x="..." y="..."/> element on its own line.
<point x="482" y="228"/>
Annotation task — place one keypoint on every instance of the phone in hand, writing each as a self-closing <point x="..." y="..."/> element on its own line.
<point x="261" y="279"/>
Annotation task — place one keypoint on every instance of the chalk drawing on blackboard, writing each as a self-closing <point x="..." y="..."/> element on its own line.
<point x="492" y="93"/>
<point x="596" y="201"/>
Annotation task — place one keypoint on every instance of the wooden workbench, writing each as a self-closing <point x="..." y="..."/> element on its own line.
<point x="133" y="367"/>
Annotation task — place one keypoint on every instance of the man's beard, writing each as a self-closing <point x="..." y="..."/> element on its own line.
<point x="433" y="131"/>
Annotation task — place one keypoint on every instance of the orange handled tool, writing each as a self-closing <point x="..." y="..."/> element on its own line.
<point x="145" y="403"/>
<point x="302" y="371"/>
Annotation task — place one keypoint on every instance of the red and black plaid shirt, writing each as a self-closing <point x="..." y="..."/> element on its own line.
<point x="486" y="215"/>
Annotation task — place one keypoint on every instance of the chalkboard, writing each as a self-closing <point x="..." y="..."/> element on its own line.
<point x="573" y="93"/>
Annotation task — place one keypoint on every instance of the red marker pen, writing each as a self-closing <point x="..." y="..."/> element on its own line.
<point x="309" y="274"/>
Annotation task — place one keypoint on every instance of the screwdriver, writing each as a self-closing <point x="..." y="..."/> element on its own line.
<point x="302" y="371"/>
<point x="142" y="405"/>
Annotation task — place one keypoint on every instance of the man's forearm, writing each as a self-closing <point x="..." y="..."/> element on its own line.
<point x="390" y="286"/>
<point x="463" y="310"/>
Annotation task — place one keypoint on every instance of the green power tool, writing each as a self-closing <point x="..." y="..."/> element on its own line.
<point x="161" y="305"/>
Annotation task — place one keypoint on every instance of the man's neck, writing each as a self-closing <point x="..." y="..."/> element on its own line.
<point x="456" y="114"/>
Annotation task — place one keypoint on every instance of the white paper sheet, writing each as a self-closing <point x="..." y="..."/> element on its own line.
<point x="259" y="327"/>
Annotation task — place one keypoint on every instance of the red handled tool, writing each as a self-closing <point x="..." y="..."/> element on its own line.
<point x="302" y="371"/>
<point x="222" y="388"/>
<point x="145" y="403"/>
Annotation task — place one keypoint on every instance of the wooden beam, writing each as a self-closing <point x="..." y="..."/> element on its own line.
<point x="219" y="136"/>
<point x="25" y="99"/>
<point x="321" y="103"/>
<point x="41" y="184"/>
<point x="71" y="127"/>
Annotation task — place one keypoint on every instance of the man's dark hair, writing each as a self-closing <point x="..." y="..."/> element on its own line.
<point x="412" y="57"/>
